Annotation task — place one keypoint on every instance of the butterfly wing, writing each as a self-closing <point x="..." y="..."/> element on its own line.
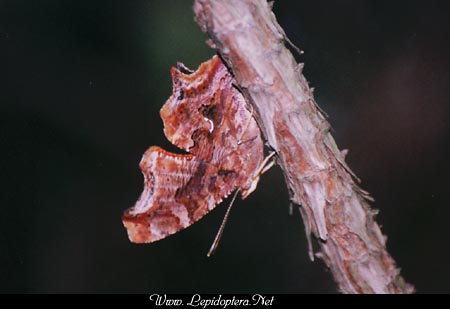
<point x="206" y="116"/>
<point x="178" y="191"/>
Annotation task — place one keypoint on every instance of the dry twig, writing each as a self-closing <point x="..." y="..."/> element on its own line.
<point x="334" y="209"/>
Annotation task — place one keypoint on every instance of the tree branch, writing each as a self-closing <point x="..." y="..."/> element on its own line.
<point x="334" y="209"/>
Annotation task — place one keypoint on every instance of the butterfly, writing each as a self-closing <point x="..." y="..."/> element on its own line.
<point x="207" y="117"/>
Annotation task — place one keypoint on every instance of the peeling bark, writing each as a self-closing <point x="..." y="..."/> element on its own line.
<point x="334" y="209"/>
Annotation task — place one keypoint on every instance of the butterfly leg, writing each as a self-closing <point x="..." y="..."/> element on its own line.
<point x="264" y="167"/>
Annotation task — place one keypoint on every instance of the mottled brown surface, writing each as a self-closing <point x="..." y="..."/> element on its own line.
<point x="207" y="117"/>
<point x="335" y="210"/>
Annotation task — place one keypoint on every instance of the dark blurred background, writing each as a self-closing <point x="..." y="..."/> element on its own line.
<point x="81" y="84"/>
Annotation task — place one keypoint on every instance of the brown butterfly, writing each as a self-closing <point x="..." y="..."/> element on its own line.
<point x="207" y="117"/>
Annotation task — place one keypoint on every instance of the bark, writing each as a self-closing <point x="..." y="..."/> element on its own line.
<point x="334" y="209"/>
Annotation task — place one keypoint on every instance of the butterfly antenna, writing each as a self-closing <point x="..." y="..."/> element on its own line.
<point x="215" y="244"/>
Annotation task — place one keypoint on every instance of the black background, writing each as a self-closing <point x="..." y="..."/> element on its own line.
<point x="81" y="85"/>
